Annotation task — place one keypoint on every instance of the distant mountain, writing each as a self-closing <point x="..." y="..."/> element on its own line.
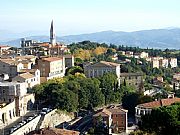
<point x="156" y="38"/>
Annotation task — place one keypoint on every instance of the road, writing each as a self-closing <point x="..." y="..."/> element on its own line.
<point x="83" y="124"/>
<point x="8" y="127"/>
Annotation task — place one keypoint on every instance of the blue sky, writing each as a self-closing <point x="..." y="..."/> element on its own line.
<point x="86" y="16"/>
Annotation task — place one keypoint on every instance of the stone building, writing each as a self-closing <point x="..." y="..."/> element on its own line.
<point x="132" y="79"/>
<point x="14" y="101"/>
<point x="100" y="68"/>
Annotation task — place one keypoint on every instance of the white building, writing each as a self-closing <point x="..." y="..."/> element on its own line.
<point x="173" y="62"/>
<point x="146" y="108"/>
<point x="100" y="68"/>
<point x="144" y="55"/>
<point x="155" y="63"/>
<point x="28" y="78"/>
<point x="164" y="63"/>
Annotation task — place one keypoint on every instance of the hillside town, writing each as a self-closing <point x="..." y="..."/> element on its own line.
<point x="88" y="88"/>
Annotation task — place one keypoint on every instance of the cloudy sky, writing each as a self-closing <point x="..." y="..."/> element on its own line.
<point x="87" y="16"/>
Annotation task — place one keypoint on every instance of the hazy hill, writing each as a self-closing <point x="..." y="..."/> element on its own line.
<point x="156" y="38"/>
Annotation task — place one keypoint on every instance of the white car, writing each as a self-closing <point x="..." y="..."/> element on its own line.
<point x="43" y="113"/>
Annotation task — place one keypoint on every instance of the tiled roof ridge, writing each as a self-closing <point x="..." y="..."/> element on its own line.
<point x="109" y="63"/>
<point x="161" y="102"/>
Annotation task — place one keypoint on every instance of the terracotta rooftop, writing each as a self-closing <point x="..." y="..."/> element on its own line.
<point x="50" y="59"/>
<point x="159" y="103"/>
<point x="4" y="46"/>
<point x="10" y="61"/>
<point x="109" y="63"/>
<point x="54" y="131"/>
<point x="26" y="75"/>
<point x="103" y="112"/>
<point x="43" y="44"/>
<point x="117" y="111"/>
<point x="25" y="57"/>
<point x="28" y="70"/>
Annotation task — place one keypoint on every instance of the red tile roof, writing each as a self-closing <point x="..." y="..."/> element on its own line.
<point x="50" y="59"/>
<point x="159" y="103"/>
<point x="109" y="63"/>
<point x="103" y="112"/>
<point x="117" y="111"/>
<point x="54" y="131"/>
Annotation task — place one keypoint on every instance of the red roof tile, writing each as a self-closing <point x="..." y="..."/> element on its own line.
<point x="50" y="59"/>
<point x="159" y="103"/>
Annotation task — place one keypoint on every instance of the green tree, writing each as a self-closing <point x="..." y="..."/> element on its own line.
<point x="163" y="120"/>
<point x="108" y="86"/>
<point x="74" y="70"/>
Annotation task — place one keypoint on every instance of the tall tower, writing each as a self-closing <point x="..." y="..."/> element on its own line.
<point x="52" y="35"/>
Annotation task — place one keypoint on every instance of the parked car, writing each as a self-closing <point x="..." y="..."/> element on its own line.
<point x="11" y="130"/>
<point x="43" y="113"/>
<point x="21" y="124"/>
<point x="24" y="122"/>
<point x="44" y="109"/>
<point x="30" y="118"/>
<point x="18" y="126"/>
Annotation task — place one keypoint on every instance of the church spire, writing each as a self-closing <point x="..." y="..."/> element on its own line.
<point x="52" y="34"/>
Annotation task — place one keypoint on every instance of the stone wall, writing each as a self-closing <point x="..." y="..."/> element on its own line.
<point x="30" y="126"/>
<point x="54" y="118"/>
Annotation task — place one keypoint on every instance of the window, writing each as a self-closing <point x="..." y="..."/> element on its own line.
<point x="10" y="114"/>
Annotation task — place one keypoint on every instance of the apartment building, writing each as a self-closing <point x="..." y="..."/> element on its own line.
<point x="155" y="63"/>
<point x="173" y="62"/>
<point x="146" y="108"/>
<point x="51" y="67"/>
<point x="9" y="112"/>
<point x="164" y="63"/>
<point x="176" y="81"/>
<point x="14" y="101"/>
<point x="107" y="118"/>
<point x="28" y="78"/>
<point x="129" y="54"/>
<point x="8" y="90"/>
<point x="114" y="118"/>
<point x="158" y="62"/>
<point x="141" y="55"/>
<point x="35" y="72"/>
<point x="4" y="49"/>
<point x="26" y="58"/>
<point x="10" y="67"/>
